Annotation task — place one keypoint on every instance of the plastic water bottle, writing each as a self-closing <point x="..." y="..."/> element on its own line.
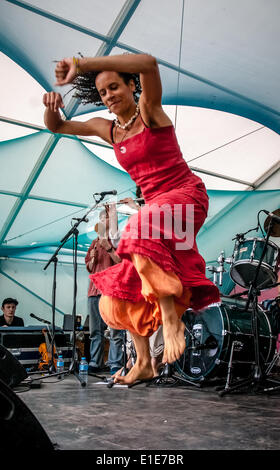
<point x="83" y="370"/>
<point x="60" y="366"/>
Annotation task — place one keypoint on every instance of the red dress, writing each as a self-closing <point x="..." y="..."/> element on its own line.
<point x="154" y="161"/>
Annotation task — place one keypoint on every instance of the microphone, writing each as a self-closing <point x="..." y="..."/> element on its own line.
<point x="40" y="319"/>
<point x="105" y="193"/>
<point x="273" y="216"/>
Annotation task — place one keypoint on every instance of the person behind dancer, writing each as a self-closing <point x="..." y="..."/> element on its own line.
<point x="9" y="318"/>
<point x="156" y="280"/>
<point x="101" y="255"/>
<point x="156" y="340"/>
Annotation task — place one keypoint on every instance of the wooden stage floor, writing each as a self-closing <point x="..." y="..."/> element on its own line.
<point x="156" y="417"/>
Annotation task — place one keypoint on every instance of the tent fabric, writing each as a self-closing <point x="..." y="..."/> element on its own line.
<point x="220" y="49"/>
<point x="220" y="87"/>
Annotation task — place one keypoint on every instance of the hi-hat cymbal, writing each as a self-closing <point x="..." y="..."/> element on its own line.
<point x="275" y="226"/>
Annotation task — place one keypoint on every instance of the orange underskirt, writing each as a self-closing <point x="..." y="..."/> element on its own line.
<point x="143" y="318"/>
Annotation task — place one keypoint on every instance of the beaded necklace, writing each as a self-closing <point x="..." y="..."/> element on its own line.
<point x="131" y="120"/>
<point x="126" y="125"/>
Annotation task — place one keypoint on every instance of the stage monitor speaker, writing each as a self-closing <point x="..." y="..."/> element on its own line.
<point x="11" y="370"/>
<point x="19" y="428"/>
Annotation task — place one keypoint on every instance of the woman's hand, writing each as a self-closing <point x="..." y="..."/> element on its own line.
<point x="53" y="101"/>
<point x="65" y="71"/>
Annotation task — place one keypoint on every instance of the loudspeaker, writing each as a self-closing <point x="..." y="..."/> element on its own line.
<point x="11" y="370"/>
<point x="19" y="429"/>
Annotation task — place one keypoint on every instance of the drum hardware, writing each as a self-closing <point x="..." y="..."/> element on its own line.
<point x="168" y="378"/>
<point x="258" y="379"/>
<point x="220" y="269"/>
<point x="248" y="252"/>
<point x="236" y="346"/>
<point x="200" y="347"/>
<point x="273" y="362"/>
<point x="246" y="256"/>
<point x="240" y="238"/>
<point x="221" y="324"/>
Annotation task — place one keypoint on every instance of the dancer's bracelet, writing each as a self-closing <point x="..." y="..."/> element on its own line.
<point x="77" y="66"/>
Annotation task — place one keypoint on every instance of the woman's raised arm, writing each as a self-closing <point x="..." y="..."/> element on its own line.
<point x="143" y="64"/>
<point x="93" y="127"/>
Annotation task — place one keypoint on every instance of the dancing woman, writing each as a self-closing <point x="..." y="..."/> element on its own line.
<point x="156" y="280"/>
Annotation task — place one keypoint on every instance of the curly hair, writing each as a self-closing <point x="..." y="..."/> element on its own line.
<point x="86" y="91"/>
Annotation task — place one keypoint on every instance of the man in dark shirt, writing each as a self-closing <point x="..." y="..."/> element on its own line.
<point x="9" y="309"/>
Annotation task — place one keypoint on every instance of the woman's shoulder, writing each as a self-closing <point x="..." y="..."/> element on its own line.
<point x="101" y="127"/>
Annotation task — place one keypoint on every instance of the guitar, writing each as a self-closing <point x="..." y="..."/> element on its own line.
<point x="45" y="350"/>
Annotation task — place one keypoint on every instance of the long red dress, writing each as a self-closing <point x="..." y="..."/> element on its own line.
<point x="154" y="161"/>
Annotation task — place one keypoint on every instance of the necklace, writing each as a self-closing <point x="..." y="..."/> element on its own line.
<point x="131" y="120"/>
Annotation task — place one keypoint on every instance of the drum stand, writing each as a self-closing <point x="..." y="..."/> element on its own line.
<point x="168" y="378"/>
<point x="258" y="381"/>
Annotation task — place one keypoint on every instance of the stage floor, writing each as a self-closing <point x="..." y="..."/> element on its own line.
<point x="152" y="418"/>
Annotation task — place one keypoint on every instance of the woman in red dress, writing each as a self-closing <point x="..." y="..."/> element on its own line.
<point x="161" y="273"/>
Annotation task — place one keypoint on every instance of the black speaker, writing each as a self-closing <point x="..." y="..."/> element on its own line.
<point x="19" y="429"/>
<point x="11" y="370"/>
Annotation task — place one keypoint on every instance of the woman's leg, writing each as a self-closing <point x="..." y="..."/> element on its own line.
<point x="173" y="331"/>
<point x="142" y="369"/>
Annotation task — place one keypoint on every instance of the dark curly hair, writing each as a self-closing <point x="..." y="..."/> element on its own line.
<point x="86" y="91"/>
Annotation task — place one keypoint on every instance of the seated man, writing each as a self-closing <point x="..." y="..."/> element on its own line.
<point x="9" y="309"/>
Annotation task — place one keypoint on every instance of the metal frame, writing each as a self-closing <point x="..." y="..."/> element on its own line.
<point x="111" y="40"/>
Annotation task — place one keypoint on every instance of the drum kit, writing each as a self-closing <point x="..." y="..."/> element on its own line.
<point x="235" y="342"/>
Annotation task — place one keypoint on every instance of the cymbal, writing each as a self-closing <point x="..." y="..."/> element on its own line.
<point x="275" y="226"/>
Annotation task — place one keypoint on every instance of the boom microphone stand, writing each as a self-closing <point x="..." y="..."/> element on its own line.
<point x="259" y="380"/>
<point x="75" y="233"/>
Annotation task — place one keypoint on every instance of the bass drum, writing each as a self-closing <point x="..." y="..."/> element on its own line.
<point x="210" y="335"/>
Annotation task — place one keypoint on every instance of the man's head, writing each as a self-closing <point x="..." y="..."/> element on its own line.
<point x="9" y="306"/>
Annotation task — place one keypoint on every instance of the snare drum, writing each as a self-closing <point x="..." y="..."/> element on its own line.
<point x="213" y="331"/>
<point x="246" y="257"/>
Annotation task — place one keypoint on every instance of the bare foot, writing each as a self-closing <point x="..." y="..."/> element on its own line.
<point x="174" y="341"/>
<point x="137" y="372"/>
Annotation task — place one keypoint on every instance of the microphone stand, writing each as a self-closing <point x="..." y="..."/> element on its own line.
<point x="75" y="233"/>
<point x="258" y="380"/>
